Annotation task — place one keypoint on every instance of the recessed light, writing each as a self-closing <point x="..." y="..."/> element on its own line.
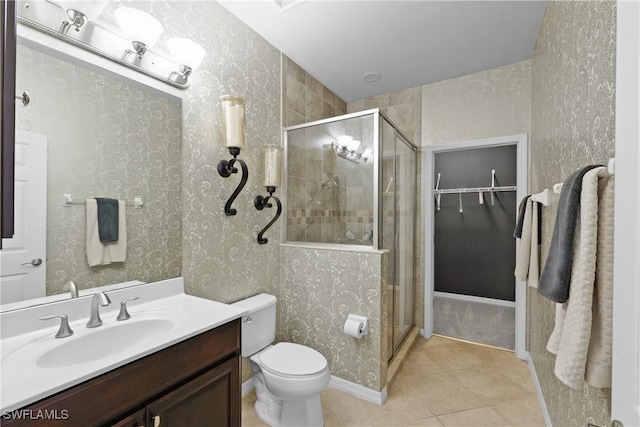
<point x="372" y="77"/>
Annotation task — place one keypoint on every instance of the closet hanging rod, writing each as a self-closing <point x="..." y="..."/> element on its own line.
<point x="475" y="190"/>
<point x="68" y="200"/>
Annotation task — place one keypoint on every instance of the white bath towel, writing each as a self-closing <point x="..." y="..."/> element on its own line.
<point x="599" y="357"/>
<point x="528" y="260"/>
<point x="99" y="253"/>
<point x="571" y="337"/>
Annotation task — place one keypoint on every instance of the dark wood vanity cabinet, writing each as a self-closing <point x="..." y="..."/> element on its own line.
<point x="192" y="383"/>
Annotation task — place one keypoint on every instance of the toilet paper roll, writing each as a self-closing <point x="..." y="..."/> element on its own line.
<point x="354" y="328"/>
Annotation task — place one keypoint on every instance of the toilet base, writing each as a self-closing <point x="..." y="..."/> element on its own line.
<point x="305" y="412"/>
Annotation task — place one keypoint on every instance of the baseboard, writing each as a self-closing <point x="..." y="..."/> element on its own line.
<point x="361" y="392"/>
<point x="377" y="397"/>
<point x="536" y="384"/>
<point x="247" y="386"/>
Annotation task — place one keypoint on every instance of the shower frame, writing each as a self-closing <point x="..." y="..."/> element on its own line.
<point x="377" y="191"/>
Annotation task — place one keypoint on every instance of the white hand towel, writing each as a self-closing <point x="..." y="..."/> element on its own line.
<point x="528" y="260"/>
<point x="99" y="253"/>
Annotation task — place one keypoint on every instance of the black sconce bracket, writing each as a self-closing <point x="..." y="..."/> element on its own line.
<point x="260" y="203"/>
<point x="225" y="169"/>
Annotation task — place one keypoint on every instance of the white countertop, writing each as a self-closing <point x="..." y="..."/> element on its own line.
<point x="24" y="338"/>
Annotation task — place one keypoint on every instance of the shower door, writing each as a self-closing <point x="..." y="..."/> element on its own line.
<point x="398" y="189"/>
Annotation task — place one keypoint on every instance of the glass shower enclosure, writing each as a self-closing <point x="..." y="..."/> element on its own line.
<point x="351" y="185"/>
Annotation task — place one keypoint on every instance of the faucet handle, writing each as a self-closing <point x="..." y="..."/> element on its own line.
<point x="124" y="314"/>
<point x="65" y="330"/>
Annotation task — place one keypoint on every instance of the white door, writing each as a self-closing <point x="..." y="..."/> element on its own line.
<point x="625" y="388"/>
<point x="23" y="257"/>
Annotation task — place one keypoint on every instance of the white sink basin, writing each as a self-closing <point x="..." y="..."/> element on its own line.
<point x="36" y="365"/>
<point x="103" y="342"/>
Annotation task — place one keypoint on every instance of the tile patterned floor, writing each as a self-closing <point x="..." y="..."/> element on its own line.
<point x="442" y="383"/>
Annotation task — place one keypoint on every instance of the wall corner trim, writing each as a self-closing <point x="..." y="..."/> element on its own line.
<point x="536" y="384"/>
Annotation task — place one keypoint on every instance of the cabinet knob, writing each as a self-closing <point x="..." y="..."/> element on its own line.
<point x="156" y="420"/>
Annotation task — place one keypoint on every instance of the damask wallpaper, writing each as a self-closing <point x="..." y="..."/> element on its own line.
<point x="572" y="125"/>
<point x="105" y="138"/>
<point x="318" y="289"/>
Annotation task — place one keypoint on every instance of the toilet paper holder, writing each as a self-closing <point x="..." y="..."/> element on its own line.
<point x="364" y="321"/>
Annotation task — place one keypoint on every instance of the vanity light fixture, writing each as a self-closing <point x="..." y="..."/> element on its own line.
<point x="233" y="138"/>
<point x="272" y="179"/>
<point x="187" y="55"/>
<point x="352" y="149"/>
<point x="80" y="12"/>
<point x="142" y="29"/>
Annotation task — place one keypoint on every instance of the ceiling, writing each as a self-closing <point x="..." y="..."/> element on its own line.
<point x="410" y="43"/>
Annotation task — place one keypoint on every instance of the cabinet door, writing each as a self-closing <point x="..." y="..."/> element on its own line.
<point x="134" y="420"/>
<point x="212" y="400"/>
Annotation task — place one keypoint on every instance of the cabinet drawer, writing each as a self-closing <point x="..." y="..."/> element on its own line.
<point x="105" y="398"/>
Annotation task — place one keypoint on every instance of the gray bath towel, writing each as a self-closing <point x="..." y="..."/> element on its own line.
<point x="107" y="219"/>
<point x="556" y="275"/>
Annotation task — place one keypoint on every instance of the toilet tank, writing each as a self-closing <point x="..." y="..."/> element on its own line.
<point x="259" y="325"/>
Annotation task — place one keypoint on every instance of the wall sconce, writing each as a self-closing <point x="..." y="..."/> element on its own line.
<point x="142" y="29"/>
<point x="233" y="138"/>
<point x="80" y="12"/>
<point x="272" y="179"/>
<point x="187" y="54"/>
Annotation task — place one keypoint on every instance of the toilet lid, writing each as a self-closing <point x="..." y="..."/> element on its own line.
<point x="293" y="359"/>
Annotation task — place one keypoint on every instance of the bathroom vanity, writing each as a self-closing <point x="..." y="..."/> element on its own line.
<point x="188" y="374"/>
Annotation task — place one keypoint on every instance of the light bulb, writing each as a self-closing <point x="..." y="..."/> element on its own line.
<point x="138" y="26"/>
<point x="344" y="140"/>
<point x="186" y="52"/>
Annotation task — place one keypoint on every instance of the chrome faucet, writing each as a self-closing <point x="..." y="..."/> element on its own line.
<point x="98" y="299"/>
<point x="71" y="287"/>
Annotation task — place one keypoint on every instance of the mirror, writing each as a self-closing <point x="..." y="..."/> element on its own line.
<point x="90" y="133"/>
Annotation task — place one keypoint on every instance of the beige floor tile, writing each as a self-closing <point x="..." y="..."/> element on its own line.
<point x="249" y="416"/>
<point x="522" y="412"/>
<point x="452" y="356"/>
<point x="423" y="422"/>
<point x="419" y="363"/>
<point x="490" y="385"/>
<point x="473" y="418"/>
<point x="441" y="393"/>
<point x="398" y="409"/>
<point x="342" y="409"/>
<point x="517" y="371"/>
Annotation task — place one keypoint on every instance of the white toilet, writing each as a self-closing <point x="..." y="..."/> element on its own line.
<point x="288" y="377"/>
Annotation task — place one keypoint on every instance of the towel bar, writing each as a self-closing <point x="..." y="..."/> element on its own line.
<point x="68" y="200"/>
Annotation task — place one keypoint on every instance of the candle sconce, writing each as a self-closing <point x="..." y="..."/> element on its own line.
<point x="233" y="131"/>
<point x="272" y="178"/>
<point x="260" y="203"/>
<point x="225" y="169"/>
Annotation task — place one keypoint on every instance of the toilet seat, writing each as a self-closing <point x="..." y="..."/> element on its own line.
<point x="295" y="360"/>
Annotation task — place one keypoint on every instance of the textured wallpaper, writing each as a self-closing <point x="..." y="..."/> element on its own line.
<point x="490" y="103"/>
<point x="318" y="289"/>
<point x="573" y="125"/>
<point x="105" y="139"/>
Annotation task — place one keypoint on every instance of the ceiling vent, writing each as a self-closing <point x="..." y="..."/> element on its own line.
<point x="285" y="5"/>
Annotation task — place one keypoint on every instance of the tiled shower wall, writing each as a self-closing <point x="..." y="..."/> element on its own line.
<point x="572" y="125"/>
<point x="304" y="98"/>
